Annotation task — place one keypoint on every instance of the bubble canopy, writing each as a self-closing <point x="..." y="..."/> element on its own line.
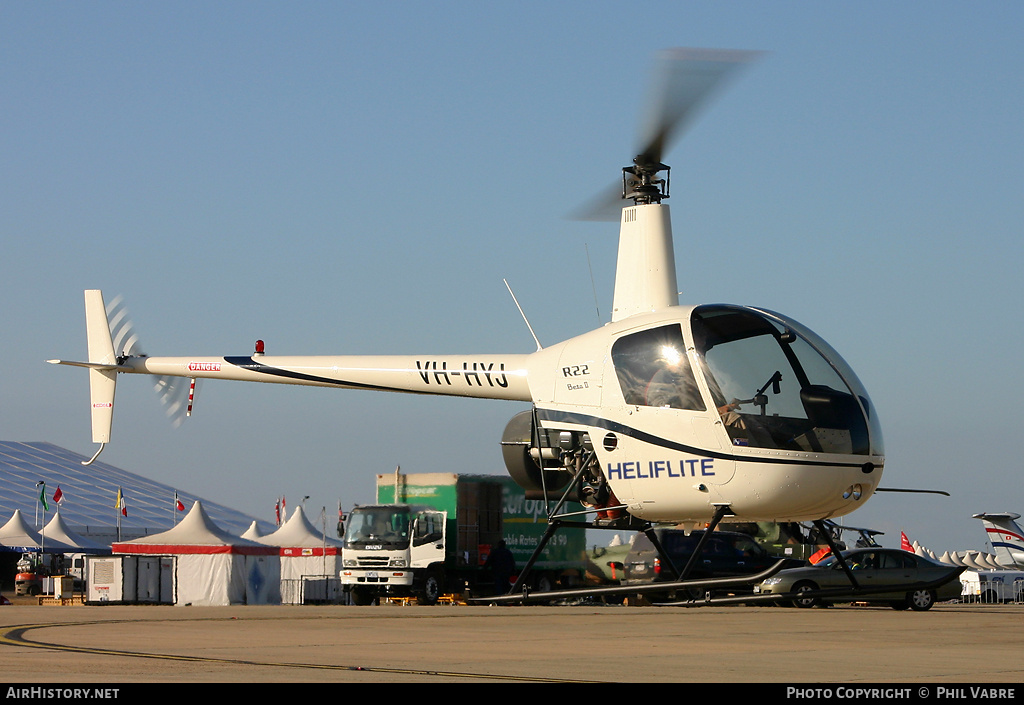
<point x="788" y="387"/>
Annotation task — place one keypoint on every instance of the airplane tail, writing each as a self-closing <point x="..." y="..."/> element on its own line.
<point x="109" y="335"/>
<point x="1006" y="537"/>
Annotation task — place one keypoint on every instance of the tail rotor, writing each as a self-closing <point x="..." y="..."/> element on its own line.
<point x="175" y="393"/>
<point x="112" y="340"/>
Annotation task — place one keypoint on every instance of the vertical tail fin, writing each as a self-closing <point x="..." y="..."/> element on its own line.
<point x="102" y="382"/>
<point x="1006" y="537"/>
<point x="112" y="340"/>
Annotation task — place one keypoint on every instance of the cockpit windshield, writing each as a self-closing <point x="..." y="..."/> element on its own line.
<point x="777" y="385"/>
<point x="387" y="527"/>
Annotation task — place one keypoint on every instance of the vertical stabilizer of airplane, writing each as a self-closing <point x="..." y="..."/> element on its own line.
<point x="102" y="382"/>
<point x="1006" y="537"/>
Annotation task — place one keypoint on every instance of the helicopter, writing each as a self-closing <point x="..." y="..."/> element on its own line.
<point x="667" y="413"/>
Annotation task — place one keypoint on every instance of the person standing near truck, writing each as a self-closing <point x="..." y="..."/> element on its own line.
<point x="503" y="567"/>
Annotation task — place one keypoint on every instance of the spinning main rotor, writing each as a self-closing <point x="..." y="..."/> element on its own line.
<point x="684" y="81"/>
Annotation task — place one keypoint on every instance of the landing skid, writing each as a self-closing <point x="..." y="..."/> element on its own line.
<point x="526" y="596"/>
<point x="520" y="592"/>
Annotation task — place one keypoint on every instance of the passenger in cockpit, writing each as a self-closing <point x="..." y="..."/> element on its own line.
<point x="673" y="386"/>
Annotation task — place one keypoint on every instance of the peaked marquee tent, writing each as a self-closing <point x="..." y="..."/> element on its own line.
<point x="17" y="536"/>
<point x="58" y="530"/>
<point x="212" y="567"/>
<point x="303" y="549"/>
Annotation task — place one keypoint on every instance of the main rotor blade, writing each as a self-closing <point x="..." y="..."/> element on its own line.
<point x="684" y="81"/>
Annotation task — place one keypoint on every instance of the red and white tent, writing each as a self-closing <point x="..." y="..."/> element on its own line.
<point x="304" y="550"/>
<point x="212" y="567"/>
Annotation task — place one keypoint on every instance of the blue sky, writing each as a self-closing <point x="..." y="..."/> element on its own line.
<point x="340" y="177"/>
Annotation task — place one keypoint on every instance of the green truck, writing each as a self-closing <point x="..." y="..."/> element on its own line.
<point x="430" y="534"/>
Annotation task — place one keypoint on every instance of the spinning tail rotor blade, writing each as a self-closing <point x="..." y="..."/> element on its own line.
<point x="122" y="333"/>
<point x="173" y="392"/>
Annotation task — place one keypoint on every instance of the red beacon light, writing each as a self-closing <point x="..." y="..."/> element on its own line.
<point x="259" y="347"/>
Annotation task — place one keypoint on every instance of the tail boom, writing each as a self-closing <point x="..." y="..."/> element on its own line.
<point x="481" y="376"/>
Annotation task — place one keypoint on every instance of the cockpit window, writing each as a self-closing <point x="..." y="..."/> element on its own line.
<point x="773" y="388"/>
<point x="653" y="369"/>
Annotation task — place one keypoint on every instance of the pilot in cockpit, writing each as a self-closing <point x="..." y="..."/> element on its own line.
<point x="727" y="410"/>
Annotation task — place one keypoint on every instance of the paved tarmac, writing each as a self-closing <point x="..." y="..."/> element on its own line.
<point x="979" y="644"/>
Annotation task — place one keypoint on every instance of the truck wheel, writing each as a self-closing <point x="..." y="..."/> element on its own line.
<point x="431" y="590"/>
<point x="361" y="597"/>
<point x="544" y="583"/>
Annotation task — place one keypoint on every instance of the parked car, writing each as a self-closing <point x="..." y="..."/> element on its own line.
<point x="919" y="582"/>
<point x="725" y="554"/>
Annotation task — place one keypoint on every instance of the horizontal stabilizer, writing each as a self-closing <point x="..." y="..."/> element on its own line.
<point x="90" y="365"/>
<point x="1005" y="516"/>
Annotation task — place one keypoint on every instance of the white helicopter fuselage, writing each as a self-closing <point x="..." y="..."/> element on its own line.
<point x="671" y="413"/>
<point x="662" y="462"/>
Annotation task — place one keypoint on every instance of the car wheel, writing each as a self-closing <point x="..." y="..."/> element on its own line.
<point x="804" y="601"/>
<point x="921" y="600"/>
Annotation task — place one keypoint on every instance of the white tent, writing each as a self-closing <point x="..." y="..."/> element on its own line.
<point x="212" y="567"/>
<point x="58" y="530"/>
<point x="17" y="535"/>
<point x="253" y="532"/>
<point x="305" y="553"/>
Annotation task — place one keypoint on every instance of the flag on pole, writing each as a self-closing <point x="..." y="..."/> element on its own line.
<point x="905" y="543"/>
<point x="58" y="496"/>
<point x="277" y="512"/>
<point x="177" y="503"/>
<point x="121" y="503"/>
<point x="42" y="495"/>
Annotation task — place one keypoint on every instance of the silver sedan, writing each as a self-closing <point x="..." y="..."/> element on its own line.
<point x="917" y="582"/>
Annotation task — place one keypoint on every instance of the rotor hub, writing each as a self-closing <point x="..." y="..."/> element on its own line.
<point x="640" y="182"/>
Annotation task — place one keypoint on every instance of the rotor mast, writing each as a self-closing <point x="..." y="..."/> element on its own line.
<point x="645" y="273"/>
